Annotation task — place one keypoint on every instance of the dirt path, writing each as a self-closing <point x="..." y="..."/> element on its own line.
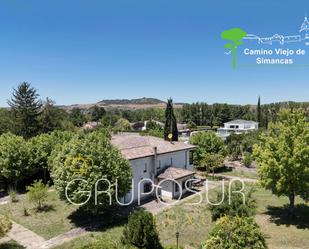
<point x="31" y="240"/>
<point x="25" y="237"/>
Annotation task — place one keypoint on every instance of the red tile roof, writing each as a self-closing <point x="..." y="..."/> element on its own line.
<point x="175" y="173"/>
<point x="134" y="146"/>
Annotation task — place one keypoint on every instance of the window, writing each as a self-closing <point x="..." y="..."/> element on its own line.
<point x="171" y="161"/>
<point x="190" y="157"/>
<point x="147" y="188"/>
<point x="176" y="187"/>
<point x="145" y="169"/>
<point x="159" y="164"/>
<point x="183" y="184"/>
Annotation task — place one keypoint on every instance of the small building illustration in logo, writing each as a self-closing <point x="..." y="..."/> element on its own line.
<point x="303" y="36"/>
<point x="78" y="164"/>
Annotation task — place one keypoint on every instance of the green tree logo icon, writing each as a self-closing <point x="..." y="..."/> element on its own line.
<point x="234" y="35"/>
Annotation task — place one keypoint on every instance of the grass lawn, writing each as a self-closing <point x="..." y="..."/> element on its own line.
<point x="11" y="245"/>
<point x="193" y="222"/>
<point x="240" y="173"/>
<point x="282" y="232"/>
<point x="54" y="221"/>
<point x="112" y="234"/>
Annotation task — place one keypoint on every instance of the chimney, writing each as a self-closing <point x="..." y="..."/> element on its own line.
<point x="155" y="161"/>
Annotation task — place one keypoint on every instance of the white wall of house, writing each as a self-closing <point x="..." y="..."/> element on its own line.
<point x="241" y="126"/>
<point x="144" y="168"/>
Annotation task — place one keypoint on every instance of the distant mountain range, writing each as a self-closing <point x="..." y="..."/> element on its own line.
<point x="124" y="104"/>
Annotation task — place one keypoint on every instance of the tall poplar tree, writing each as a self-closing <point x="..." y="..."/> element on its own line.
<point x="26" y="107"/>
<point x="170" y="126"/>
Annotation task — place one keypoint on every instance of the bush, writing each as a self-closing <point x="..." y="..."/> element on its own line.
<point x="5" y="225"/>
<point x="141" y="231"/>
<point x="13" y="195"/>
<point x="247" y="159"/>
<point x="236" y="205"/>
<point x="38" y="193"/>
<point x="237" y="233"/>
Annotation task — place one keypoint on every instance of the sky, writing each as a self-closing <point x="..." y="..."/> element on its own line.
<point x="83" y="51"/>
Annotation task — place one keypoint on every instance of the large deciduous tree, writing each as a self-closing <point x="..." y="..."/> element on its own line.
<point x="170" y="127"/>
<point x="88" y="162"/>
<point x="26" y="109"/>
<point x="14" y="158"/>
<point x="208" y="143"/>
<point x="52" y="117"/>
<point x="96" y="113"/>
<point x="283" y="156"/>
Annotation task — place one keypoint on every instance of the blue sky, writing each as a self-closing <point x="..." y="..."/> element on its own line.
<point x="83" y="51"/>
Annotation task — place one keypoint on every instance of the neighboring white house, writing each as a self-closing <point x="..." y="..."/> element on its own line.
<point x="158" y="160"/>
<point x="237" y="126"/>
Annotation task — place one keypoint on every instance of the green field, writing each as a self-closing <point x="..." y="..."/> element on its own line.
<point x="193" y="222"/>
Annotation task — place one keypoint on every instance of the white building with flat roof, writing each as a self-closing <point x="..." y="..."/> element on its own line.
<point x="237" y="126"/>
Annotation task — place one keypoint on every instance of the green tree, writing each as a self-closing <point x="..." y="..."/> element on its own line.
<point x="51" y="117"/>
<point x="14" y="159"/>
<point x="5" y="225"/>
<point x="6" y="121"/>
<point x="234" y="145"/>
<point x="122" y="125"/>
<point x="26" y="107"/>
<point x="233" y="203"/>
<point x="42" y="146"/>
<point x="170" y="126"/>
<point x="141" y="231"/>
<point x="96" y="113"/>
<point x="38" y="193"/>
<point x="212" y="162"/>
<point x="234" y="35"/>
<point x="259" y="112"/>
<point x="77" y="117"/>
<point x="208" y="143"/>
<point x="283" y="158"/>
<point x="237" y="233"/>
<point x="96" y="158"/>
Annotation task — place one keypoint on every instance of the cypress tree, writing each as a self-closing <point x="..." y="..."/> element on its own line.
<point x="258" y="110"/>
<point x="170" y="126"/>
<point x="26" y="107"/>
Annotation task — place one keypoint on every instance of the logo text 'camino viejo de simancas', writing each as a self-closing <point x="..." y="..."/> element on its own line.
<point x="277" y="49"/>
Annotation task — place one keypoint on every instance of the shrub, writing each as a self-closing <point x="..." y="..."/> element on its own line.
<point x="235" y="232"/>
<point x="247" y="159"/>
<point x="38" y="193"/>
<point x="5" y="225"/>
<point x="13" y="195"/>
<point x="141" y="231"/>
<point x="234" y="206"/>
